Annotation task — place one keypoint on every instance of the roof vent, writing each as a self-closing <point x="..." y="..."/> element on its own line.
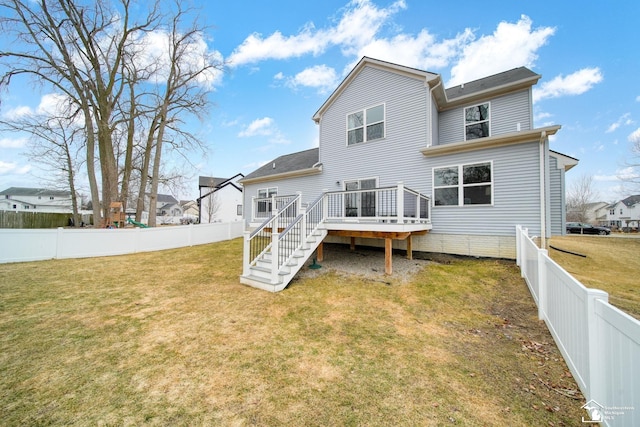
<point x="274" y="165"/>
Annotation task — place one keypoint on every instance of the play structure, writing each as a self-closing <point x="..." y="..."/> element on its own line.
<point x="115" y="219"/>
<point x="136" y="223"/>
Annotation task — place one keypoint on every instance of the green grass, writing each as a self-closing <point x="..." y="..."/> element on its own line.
<point x="172" y="338"/>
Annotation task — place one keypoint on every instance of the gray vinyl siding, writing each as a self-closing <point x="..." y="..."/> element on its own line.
<point x="505" y="113"/>
<point x="307" y="185"/>
<point x="556" y="198"/>
<point x="394" y="158"/>
<point x="516" y="195"/>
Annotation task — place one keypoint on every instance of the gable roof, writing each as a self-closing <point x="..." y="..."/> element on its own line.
<point x="506" y="78"/>
<point x="216" y="182"/>
<point x="375" y="63"/>
<point x="631" y="200"/>
<point x="294" y="164"/>
<point x="26" y="191"/>
<point x="481" y="89"/>
<point x="166" y="199"/>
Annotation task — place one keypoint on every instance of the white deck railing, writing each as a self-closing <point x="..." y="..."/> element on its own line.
<point x="263" y="207"/>
<point x="386" y="205"/>
<point x="599" y="342"/>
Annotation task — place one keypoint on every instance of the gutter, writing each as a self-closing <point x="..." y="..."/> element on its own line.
<point x="491" y="141"/>
<point x="301" y="172"/>
<point x="543" y="193"/>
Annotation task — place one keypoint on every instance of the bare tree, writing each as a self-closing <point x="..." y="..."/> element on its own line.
<point x="56" y="143"/>
<point x="631" y="175"/>
<point x="78" y="50"/>
<point x="96" y="54"/>
<point x="184" y="93"/>
<point x="579" y="196"/>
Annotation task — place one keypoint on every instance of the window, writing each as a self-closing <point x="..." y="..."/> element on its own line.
<point x="365" y="125"/>
<point x="264" y="206"/>
<point x="50" y="197"/>
<point x="463" y="185"/>
<point x="476" y="121"/>
<point x="239" y="210"/>
<point x="620" y="211"/>
<point x="612" y="211"/>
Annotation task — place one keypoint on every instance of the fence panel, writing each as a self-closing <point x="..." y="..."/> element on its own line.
<point x="599" y="342"/>
<point x="618" y="342"/>
<point x="19" y="245"/>
<point x="566" y="316"/>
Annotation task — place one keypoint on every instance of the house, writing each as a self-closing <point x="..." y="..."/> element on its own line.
<point x="190" y="211"/>
<point x="220" y="199"/>
<point x="624" y="214"/>
<point x="589" y="212"/>
<point x="168" y="209"/>
<point x="405" y="163"/>
<point x="37" y="199"/>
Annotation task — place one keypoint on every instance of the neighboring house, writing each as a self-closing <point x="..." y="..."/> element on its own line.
<point x="189" y="210"/>
<point x="168" y="209"/>
<point x="624" y="214"/>
<point x="403" y="161"/>
<point x="37" y="199"/>
<point x="220" y="199"/>
<point x="589" y="213"/>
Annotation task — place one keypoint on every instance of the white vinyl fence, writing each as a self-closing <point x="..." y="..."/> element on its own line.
<point x="20" y="245"/>
<point x="599" y="342"/>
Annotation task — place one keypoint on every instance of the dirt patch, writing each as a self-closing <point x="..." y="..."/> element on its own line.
<point x="365" y="262"/>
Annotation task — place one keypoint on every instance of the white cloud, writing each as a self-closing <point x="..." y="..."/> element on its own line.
<point x="360" y="22"/>
<point x="574" y="84"/>
<point x="259" y="127"/>
<point x="422" y="51"/>
<point x="624" y="174"/>
<point x="12" y="167"/>
<point x="511" y="45"/>
<point x="541" y="116"/>
<point x="634" y="137"/>
<point x="264" y="127"/>
<point x="638" y="98"/>
<point x="625" y="119"/>
<point x="319" y="76"/>
<point x="13" y="142"/>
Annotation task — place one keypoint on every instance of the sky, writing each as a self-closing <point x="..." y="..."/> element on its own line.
<point x="284" y="58"/>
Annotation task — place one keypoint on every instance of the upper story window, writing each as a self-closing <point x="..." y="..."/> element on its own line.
<point x="365" y="125"/>
<point x="476" y="121"/>
<point x="463" y="185"/>
<point x="612" y="211"/>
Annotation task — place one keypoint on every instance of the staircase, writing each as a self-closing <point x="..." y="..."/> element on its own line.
<point x="279" y="248"/>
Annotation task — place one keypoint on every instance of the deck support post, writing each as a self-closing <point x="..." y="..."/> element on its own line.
<point x="388" y="253"/>
<point x="409" y="248"/>
<point x="320" y="252"/>
<point x="352" y="245"/>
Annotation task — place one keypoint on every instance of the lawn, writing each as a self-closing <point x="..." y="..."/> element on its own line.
<point x="611" y="264"/>
<point x="173" y="338"/>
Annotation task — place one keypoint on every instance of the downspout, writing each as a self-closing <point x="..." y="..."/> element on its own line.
<point x="430" y="142"/>
<point x="543" y="204"/>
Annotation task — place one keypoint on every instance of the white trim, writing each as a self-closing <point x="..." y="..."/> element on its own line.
<point x="465" y="124"/>
<point x="461" y="186"/>
<point x="365" y="124"/>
